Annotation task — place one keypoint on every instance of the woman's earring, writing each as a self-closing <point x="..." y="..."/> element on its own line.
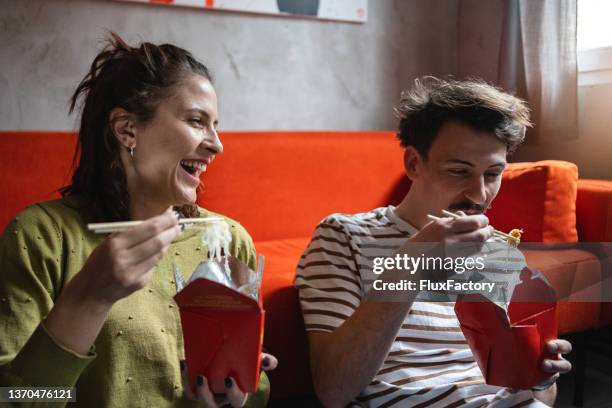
<point x="131" y="149"/>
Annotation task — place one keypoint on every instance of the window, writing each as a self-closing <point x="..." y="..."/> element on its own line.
<point x="594" y="42"/>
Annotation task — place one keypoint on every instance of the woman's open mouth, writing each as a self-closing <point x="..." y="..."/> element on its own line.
<point x="193" y="167"/>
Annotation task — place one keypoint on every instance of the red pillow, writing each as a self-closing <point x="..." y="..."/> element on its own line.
<point x="540" y="198"/>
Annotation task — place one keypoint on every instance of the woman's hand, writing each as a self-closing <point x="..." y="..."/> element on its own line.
<point x="119" y="266"/>
<point x="123" y="263"/>
<point x="232" y="396"/>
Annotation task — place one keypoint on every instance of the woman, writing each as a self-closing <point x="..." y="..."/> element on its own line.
<point x="97" y="312"/>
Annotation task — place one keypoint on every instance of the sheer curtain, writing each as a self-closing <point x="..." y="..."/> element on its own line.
<point x="535" y="42"/>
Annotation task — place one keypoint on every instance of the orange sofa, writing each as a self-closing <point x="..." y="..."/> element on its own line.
<point x="279" y="185"/>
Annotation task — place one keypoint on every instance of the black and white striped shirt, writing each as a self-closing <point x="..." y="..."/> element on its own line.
<point x="430" y="363"/>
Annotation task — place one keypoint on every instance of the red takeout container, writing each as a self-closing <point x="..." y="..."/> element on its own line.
<point x="510" y="354"/>
<point x="223" y="333"/>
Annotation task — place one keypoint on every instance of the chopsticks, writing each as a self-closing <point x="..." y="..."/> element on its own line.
<point x="109" y="227"/>
<point x="500" y="234"/>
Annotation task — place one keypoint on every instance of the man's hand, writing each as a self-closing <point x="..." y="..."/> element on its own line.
<point x="448" y="237"/>
<point x="546" y="392"/>
<point x="467" y="228"/>
<point x="560" y="366"/>
<point x="462" y="236"/>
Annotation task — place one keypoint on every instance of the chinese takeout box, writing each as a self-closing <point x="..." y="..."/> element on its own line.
<point x="510" y="347"/>
<point x="222" y="327"/>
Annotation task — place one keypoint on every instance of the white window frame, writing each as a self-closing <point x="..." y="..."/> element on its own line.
<point x="595" y="66"/>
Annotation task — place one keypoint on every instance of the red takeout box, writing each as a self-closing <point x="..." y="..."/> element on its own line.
<point x="223" y="333"/>
<point x="510" y="354"/>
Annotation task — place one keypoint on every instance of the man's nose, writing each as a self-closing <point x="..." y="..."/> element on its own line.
<point x="212" y="142"/>
<point x="477" y="191"/>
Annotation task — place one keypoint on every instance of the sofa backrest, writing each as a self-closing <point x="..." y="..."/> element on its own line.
<point x="33" y="165"/>
<point x="277" y="184"/>
<point x="281" y="184"/>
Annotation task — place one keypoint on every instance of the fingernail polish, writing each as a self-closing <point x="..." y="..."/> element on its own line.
<point x="182" y="365"/>
<point x="265" y="361"/>
<point x="200" y="380"/>
<point x="228" y="382"/>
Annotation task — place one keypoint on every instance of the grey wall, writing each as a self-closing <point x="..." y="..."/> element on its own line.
<point x="270" y="72"/>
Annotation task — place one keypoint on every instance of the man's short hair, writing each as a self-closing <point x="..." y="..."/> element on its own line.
<point x="432" y="102"/>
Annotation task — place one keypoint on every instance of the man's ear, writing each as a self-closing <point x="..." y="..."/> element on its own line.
<point x="413" y="163"/>
<point x="122" y="125"/>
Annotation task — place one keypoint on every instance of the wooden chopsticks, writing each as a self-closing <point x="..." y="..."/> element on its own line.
<point x="506" y="237"/>
<point x="110" y="227"/>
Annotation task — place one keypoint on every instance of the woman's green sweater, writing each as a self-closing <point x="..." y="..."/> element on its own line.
<point x="135" y="359"/>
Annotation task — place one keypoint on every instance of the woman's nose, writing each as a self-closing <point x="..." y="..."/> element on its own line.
<point x="213" y="142"/>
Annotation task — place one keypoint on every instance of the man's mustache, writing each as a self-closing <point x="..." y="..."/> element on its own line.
<point x="467" y="206"/>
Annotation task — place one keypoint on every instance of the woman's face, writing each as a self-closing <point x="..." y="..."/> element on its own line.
<point x="176" y="146"/>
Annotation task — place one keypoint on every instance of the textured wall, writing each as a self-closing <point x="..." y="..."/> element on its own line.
<point x="270" y="72"/>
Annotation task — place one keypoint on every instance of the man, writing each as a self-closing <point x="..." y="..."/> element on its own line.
<point x="456" y="137"/>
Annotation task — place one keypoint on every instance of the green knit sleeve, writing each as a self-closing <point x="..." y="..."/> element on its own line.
<point x="31" y="276"/>
<point x="259" y="399"/>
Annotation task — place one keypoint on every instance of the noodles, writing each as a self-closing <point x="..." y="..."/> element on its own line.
<point x="221" y="267"/>
<point x="217" y="238"/>
<point x="516" y="236"/>
<point x="516" y="233"/>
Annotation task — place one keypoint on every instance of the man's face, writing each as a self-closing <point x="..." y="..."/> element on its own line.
<point x="462" y="171"/>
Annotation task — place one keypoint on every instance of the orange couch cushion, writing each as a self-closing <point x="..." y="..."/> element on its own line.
<point x="594" y="210"/>
<point x="284" y="334"/>
<point x="540" y="198"/>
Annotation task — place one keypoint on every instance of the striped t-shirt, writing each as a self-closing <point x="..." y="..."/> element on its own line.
<point x="430" y="363"/>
